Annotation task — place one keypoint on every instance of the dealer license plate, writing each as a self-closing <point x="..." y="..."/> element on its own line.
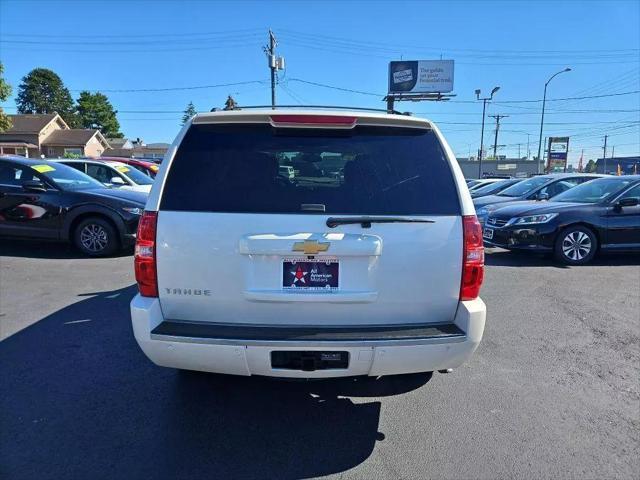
<point x="310" y="274"/>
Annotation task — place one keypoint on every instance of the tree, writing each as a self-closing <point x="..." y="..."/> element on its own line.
<point x="230" y="104"/>
<point x="591" y="167"/>
<point x="5" y="91"/>
<point x="95" y="111"/>
<point x="42" y="91"/>
<point x="189" y="112"/>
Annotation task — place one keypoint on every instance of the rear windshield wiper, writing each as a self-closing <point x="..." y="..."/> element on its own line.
<point x="366" y="222"/>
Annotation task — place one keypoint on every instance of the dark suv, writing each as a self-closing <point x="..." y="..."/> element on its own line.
<point x="50" y="201"/>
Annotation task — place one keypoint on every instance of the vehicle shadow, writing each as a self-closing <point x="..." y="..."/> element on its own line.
<point x="505" y="258"/>
<point x="43" y="249"/>
<point x="78" y="399"/>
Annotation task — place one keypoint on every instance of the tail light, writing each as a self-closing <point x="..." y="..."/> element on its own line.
<point x="473" y="258"/>
<point x="332" y="121"/>
<point x="145" y="255"/>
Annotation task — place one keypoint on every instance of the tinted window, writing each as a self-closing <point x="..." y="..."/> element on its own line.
<point x="524" y="187"/>
<point x="633" y="193"/>
<point x="594" y="191"/>
<point x="66" y="178"/>
<point x="12" y="174"/>
<point x="135" y="175"/>
<point x="367" y="170"/>
<point x="57" y="174"/>
<point x="493" y="188"/>
<point x="77" y="166"/>
<point x="559" y="186"/>
<point x="101" y="173"/>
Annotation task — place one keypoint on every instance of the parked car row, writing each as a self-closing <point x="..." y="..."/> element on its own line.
<point x="67" y="201"/>
<point x="112" y="173"/>
<point x="584" y="215"/>
<point x="145" y="166"/>
<point x="493" y="188"/>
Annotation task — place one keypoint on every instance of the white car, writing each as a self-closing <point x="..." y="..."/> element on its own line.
<point x="287" y="171"/>
<point x="112" y="173"/>
<point x="374" y="272"/>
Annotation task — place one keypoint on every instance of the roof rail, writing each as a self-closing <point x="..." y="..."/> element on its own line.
<point x="330" y="107"/>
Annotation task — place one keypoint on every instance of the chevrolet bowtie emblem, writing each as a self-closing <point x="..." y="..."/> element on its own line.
<point x="311" y="247"/>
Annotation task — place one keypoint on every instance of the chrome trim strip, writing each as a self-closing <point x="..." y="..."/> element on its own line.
<point x="313" y="343"/>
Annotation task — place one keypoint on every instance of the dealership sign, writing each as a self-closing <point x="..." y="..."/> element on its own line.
<point x="557" y="153"/>
<point x="421" y="76"/>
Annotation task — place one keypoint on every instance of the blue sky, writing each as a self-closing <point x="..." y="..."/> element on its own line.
<point x="116" y="46"/>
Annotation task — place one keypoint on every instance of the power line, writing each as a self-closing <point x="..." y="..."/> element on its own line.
<point x="324" y="85"/>
<point x="538" y="123"/>
<point x="503" y="102"/>
<point x="385" y="46"/>
<point x="152" y="42"/>
<point x="130" y="35"/>
<point x="386" y="50"/>
<point x="571" y="98"/>
<point x="172" y="89"/>
<point x="315" y="47"/>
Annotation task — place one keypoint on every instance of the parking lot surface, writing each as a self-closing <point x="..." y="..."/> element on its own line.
<point x="552" y="392"/>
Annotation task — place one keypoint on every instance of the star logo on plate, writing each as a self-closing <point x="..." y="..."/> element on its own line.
<point x="298" y="275"/>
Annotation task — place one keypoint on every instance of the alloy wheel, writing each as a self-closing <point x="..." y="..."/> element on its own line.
<point x="94" y="238"/>
<point x="576" y="245"/>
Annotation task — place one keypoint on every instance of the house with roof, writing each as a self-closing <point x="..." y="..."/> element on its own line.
<point x="48" y="135"/>
<point x="120" y="143"/>
<point x="136" y="149"/>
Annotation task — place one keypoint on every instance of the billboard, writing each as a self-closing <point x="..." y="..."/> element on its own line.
<point x="421" y="76"/>
<point x="557" y="153"/>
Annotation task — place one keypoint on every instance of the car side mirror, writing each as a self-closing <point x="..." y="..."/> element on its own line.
<point x="34" y="186"/>
<point x="117" y="181"/>
<point x="628" y="202"/>
<point x="542" y="196"/>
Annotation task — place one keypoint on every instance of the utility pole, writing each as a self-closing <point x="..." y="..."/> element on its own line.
<point x="495" y="142"/>
<point x="604" y="155"/>
<point x="484" y="109"/>
<point x="519" y="157"/>
<point x="528" y="149"/>
<point x="275" y="63"/>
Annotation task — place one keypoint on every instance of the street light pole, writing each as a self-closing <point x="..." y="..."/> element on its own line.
<point x="544" y="101"/>
<point x="484" y="109"/>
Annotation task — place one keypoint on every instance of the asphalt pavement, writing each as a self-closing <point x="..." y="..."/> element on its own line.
<point x="552" y="392"/>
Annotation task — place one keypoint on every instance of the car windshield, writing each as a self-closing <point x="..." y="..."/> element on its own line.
<point x="491" y="187"/>
<point x="524" y="187"/>
<point x="134" y="174"/>
<point x="594" y="191"/>
<point x="67" y="178"/>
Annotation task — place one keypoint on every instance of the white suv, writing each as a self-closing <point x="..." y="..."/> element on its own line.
<point x="368" y="262"/>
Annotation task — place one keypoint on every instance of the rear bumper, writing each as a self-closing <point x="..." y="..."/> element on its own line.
<point x="246" y="350"/>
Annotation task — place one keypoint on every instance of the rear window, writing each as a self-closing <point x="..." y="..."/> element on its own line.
<point x="261" y="169"/>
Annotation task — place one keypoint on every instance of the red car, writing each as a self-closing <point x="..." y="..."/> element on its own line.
<point x="144" y="166"/>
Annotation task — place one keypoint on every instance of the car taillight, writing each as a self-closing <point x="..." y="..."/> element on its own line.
<point x="145" y="255"/>
<point x="332" y="121"/>
<point x="473" y="258"/>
